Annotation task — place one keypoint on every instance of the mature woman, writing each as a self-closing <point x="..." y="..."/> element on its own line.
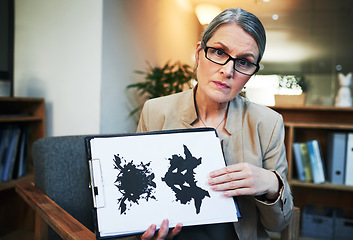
<point x="252" y="135"/>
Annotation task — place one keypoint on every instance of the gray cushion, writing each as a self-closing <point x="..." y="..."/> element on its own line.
<point x="61" y="172"/>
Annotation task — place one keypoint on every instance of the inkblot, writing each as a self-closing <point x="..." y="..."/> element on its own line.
<point x="181" y="179"/>
<point x="134" y="182"/>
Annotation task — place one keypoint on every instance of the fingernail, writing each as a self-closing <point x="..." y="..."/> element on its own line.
<point x="154" y="227"/>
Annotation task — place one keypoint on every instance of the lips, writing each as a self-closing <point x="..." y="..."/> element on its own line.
<point x="221" y="85"/>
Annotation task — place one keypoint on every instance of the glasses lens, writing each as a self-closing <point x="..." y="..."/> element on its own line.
<point x="244" y="66"/>
<point x="217" y="55"/>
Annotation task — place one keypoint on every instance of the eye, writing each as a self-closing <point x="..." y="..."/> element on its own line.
<point x="219" y="52"/>
<point x="243" y="62"/>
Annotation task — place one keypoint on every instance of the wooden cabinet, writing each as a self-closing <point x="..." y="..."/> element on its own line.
<point x="308" y="123"/>
<point x="15" y="216"/>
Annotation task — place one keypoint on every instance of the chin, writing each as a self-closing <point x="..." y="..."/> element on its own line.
<point x="221" y="97"/>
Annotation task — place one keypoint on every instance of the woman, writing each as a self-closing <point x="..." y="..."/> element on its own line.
<point x="252" y="135"/>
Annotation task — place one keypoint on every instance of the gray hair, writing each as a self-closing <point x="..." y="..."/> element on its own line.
<point x="246" y="20"/>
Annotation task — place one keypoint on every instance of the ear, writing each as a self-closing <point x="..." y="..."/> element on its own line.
<point x="197" y="52"/>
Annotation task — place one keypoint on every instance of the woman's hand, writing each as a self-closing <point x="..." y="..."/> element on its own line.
<point x="163" y="232"/>
<point x="245" y="179"/>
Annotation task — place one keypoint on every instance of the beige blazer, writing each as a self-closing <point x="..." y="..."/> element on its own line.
<point x="256" y="135"/>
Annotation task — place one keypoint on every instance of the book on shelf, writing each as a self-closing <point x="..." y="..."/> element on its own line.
<point x="21" y="169"/>
<point x="339" y="146"/>
<point x="306" y="162"/>
<point x="336" y="157"/>
<point x="349" y="160"/>
<point x="4" y="143"/>
<point x="315" y="156"/>
<point x="13" y="152"/>
<point x="299" y="161"/>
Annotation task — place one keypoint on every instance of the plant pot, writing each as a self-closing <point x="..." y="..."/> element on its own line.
<point x="290" y="100"/>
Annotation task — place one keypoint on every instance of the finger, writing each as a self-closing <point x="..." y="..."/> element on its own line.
<point x="242" y="183"/>
<point x="163" y="231"/>
<point x="228" y="169"/>
<point x="228" y="177"/>
<point x="176" y="230"/>
<point x="222" y="171"/>
<point x="238" y="192"/>
<point x="149" y="232"/>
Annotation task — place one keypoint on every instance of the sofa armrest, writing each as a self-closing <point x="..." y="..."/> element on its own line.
<point x="56" y="217"/>
<point x="71" y="229"/>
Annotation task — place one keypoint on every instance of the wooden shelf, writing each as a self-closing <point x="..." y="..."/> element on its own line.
<point x="316" y="114"/>
<point x="313" y="107"/>
<point x="13" y="183"/>
<point x="324" y="186"/>
<point x="329" y="126"/>
<point x="16" y="217"/>
<point x="20" y="119"/>
<point x="307" y="123"/>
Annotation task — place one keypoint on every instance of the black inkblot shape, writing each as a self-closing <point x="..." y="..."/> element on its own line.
<point x="180" y="178"/>
<point x="134" y="182"/>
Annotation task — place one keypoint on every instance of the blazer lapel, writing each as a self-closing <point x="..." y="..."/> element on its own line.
<point x="188" y="110"/>
<point x="234" y="143"/>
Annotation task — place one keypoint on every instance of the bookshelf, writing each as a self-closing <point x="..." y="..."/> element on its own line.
<point x="28" y="113"/>
<point x="308" y="123"/>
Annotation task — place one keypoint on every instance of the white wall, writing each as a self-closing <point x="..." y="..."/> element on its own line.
<point x="58" y="57"/>
<point x="81" y="54"/>
<point x="136" y="32"/>
<point x="118" y="55"/>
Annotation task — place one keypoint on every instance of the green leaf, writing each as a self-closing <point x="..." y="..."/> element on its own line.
<point x="162" y="81"/>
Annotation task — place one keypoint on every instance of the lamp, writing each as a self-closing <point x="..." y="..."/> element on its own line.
<point x="206" y="12"/>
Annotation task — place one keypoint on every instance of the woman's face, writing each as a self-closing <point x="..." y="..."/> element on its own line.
<point x="222" y="83"/>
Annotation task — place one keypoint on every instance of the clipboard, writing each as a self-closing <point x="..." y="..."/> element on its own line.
<point x="139" y="179"/>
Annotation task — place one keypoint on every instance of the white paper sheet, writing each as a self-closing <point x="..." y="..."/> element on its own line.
<point x="149" y="157"/>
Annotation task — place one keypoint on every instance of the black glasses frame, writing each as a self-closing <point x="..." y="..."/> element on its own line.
<point x="229" y="59"/>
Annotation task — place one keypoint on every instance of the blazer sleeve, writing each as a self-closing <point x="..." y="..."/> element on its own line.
<point x="275" y="215"/>
<point x="142" y="125"/>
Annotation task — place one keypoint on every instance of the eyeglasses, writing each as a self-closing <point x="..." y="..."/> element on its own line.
<point x="220" y="57"/>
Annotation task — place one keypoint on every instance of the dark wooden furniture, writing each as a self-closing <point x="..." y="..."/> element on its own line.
<point x="15" y="215"/>
<point x="49" y="213"/>
<point x="308" y="123"/>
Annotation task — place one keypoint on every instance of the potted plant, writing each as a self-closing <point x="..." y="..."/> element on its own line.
<point x="162" y="81"/>
<point x="291" y="90"/>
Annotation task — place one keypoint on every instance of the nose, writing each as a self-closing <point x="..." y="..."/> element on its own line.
<point x="228" y="69"/>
